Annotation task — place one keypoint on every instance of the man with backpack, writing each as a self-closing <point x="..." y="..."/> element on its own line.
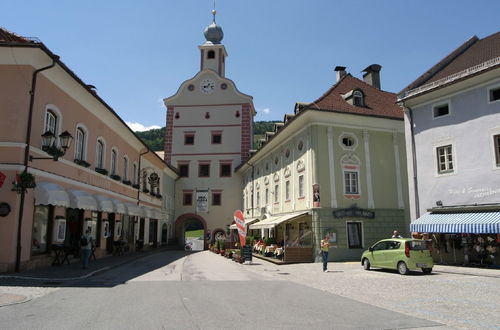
<point x="86" y="246"/>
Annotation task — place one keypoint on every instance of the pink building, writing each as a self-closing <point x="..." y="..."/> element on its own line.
<point x="106" y="180"/>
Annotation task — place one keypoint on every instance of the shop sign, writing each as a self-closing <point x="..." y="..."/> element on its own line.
<point x="201" y="200"/>
<point x="2" y="179"/>
<point x="4" y="209"/>
<point x="355" y="212"/>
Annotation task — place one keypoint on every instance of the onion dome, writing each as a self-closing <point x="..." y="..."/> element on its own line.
<point x="213" y="33"/>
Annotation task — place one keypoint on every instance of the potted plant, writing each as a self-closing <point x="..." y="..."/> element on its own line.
<point x="81" y="162"/>
<point x="102" y="171"/>
<point x="115" y="177"/>
<point x="127" y="182"/>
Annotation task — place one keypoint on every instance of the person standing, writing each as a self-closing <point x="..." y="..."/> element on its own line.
<point x="86" y="246"/>
<point x="395" y="234"/>
<point x="325" y="246"/>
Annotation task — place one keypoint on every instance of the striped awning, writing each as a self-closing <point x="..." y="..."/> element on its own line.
<point x="458" y="223"/>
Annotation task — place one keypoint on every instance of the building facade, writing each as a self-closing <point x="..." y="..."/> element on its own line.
<point x="452" y="118"/>
<point x="208" y="134"/>
<point x="105" y="179"/>
<point x="335" y="166"/>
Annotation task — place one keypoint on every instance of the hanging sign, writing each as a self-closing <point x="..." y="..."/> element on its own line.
<point x="239" y="220"/>
<point x="201" y="200"/>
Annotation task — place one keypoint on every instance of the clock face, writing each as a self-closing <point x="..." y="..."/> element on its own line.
<point x="207" y="86"/>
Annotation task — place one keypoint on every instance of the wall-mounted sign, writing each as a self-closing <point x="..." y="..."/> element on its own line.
<point x="355" y="212"/>
<point x="201" y="200"/>
<point x="2" y="179"/>
<point x="4" y="209"/>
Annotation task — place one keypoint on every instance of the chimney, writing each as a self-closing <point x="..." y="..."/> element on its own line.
<point x="340" y="72"/>
<point x="372" y="75"/>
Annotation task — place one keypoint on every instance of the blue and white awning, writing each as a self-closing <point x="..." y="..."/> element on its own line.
<point x="457" y="223"/>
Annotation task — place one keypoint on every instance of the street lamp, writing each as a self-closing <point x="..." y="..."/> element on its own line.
<point x="49" y="145"/>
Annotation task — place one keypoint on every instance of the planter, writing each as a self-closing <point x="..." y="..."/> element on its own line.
<point x="102" y="171"/>
<point x="115" y="177"/>
<point x="135" y="185"/>
<point x="81" y="162"/>
<point x="127" y="182"/>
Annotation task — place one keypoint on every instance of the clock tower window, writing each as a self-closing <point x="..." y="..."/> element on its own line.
<point x="211" y="54"/>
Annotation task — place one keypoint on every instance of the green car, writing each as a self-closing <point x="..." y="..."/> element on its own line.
<point x="403" y="254"/>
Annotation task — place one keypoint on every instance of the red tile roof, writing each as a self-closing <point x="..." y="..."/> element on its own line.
<point x="7" y="36"/>
<point x="378" y="103"/>
<point x="473" y="52"/>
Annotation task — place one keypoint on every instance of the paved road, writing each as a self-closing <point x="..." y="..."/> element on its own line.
<point x="178" y="290"/>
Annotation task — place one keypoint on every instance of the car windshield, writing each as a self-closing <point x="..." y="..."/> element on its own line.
<point x="418" y="245"/>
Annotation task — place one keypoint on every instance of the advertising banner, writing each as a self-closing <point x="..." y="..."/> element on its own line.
<point x="239" y="220"/>
<point x="201" y="200"/>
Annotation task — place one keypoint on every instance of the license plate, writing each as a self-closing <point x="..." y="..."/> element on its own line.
<point x="421" y="265"/>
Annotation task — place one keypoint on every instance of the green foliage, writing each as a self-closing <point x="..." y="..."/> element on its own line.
<point x="270" y="240"/>
<point x="154" y="138"/>
<point x="249" y="240"/>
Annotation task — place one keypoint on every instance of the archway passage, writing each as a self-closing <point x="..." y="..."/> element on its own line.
<point x="191" y="232"/>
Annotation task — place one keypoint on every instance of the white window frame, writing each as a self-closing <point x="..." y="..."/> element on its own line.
<point x="357" y="94"/>
<point x="301" y="186"/>
<point x="489" y="89"/>
<point x="440" y="104"/>
<point x="100" y="157"/>
<point x="447" y="162"/>
<point x="287" y="190"/>
<point x="350" y="136"/>
<point x="134" y="173"/>
<point x="125" y="168"/>
<point x="353" y="176"/>
<point x="83" y="149"/>
<point x="276" y="192"/>
<point x="113" y="161"/>
<point x="257" y="201"/>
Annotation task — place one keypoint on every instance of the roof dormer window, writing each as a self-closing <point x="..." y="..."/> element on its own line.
<point x="358" y="98"/>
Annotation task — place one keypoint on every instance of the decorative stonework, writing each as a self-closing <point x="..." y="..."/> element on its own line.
<point x="301" y="165"/>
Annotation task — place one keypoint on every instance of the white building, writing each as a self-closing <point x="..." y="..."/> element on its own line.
<point x="208" y="134"/>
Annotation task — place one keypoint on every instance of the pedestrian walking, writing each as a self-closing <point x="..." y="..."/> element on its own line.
<point x="325" y="246"/>
<point x="86" y="247"/>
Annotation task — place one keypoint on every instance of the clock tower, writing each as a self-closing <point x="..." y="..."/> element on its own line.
<point x="208" y="134"/>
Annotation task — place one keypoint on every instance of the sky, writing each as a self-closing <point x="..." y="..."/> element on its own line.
<point x="137" y="53"/>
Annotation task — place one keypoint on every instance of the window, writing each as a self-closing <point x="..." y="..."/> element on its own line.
<point x="257" y="202"/>
<point x="276" y="193"/>
<point x="187" y="198"/>
<point x="113" y="162"/>
<point x="125" y="169"/>
<point x="354" y="238"/>
<point x="189" y="139"/>
<point x="100" y="154"/>
<point x="216" y="138"/>
<point x="441" y="110"/>
<point x="50" y="122"/>
<point x="351" y="182"/>
<point x="204" y="170"/>
<point x="40" y="233"/>
<point x="444" y="159"/>
<point x="287" y="190"/>
<point x="80" y="144"/>
<point x="225" y="170"/>
<point x="134" y="174"/>
<point x="301" y="186"/>
<point x="216" y="198"/>
<point x="497" y="148"/>
<point x="184" y="170"/>
<point x="211" y="54"/>
<point x="267" y="196"/>
<point x="358" y="98"/>
<point x="494" y="94"/>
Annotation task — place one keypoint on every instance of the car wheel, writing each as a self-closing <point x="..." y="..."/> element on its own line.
<point x="427" y="270"/>
<point x="366" y="264"/>
<point x="402" y="268"/>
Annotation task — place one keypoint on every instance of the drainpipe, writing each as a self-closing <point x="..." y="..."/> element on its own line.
<point x="253" y="188"/>
<point x="414" y="161"/>
<point x="26" y="157"/>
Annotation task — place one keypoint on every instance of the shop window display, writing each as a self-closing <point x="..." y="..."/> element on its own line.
<point x="40" y="229"/>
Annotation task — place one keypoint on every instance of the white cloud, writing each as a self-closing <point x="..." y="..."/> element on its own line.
<point x="265" y="111"/>
<point x="137" y="127"/>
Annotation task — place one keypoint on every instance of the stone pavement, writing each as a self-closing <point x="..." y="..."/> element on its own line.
<point x="37" y="282"/>
<point x="21" y="287"/>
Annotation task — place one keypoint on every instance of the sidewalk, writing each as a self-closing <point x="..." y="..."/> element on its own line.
<point x="75" y="271"/>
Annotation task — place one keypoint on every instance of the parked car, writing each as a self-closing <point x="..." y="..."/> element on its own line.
<point x="402" y="254"/>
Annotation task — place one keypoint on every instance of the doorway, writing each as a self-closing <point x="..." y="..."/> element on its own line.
<point x="194" y="235"/>
<point x="164" y="234"/>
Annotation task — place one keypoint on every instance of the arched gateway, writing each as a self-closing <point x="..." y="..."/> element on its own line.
<point x="186" y="226"/>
